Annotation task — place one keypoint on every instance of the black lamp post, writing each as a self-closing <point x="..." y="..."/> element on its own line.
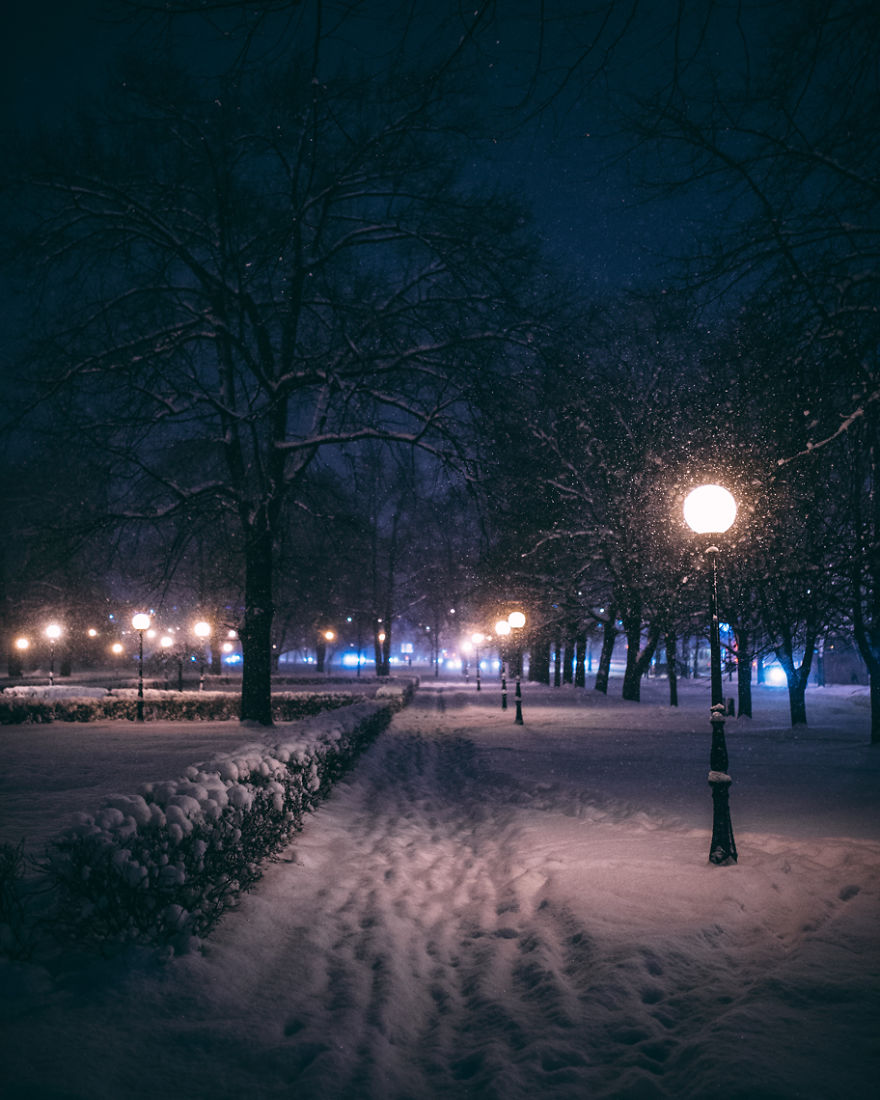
<point x="202" y="631"/>
<point x="21" y="647"/>
<point x="502" y="629"/>
<point x="517" y="621"/>
<point x="140" y="622"/>
<point x="710" y="510"/>
<point x="53" y="633"/>
<point x="478" y="640"/>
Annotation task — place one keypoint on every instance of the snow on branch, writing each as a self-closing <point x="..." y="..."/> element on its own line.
<point x="843" y="427"/>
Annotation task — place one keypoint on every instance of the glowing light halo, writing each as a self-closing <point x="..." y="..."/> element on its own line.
<point x="709" y="510"/>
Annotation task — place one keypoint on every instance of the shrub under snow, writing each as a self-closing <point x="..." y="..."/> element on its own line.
<point x="81" y="704"/>
<point x="161" y="865"/>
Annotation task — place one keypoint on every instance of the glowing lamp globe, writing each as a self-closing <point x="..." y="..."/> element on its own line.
<point x="140" y="621"/>
<point x="202" y="629"/>
<point x="516" y="619"/>
<point x="709" y="510"/>
<point x="53" y="631"/>
<point x="502" y="627"/>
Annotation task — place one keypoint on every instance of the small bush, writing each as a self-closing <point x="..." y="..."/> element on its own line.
<point x="18" y="933"/>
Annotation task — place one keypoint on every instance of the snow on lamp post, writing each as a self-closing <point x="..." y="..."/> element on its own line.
<point x="477" y="638"/>
<point x="502" y="629"/>
<point x="140" y="622"/>
<point x="711" y="510"/>
<point x="53" y="633"/>
<point x="202" y="631"/>
<point x="517" y="621"/>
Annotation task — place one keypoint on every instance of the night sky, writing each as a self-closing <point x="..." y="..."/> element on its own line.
<point x="588" y="211"/>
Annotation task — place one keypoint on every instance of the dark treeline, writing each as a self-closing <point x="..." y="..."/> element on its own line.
<point x="287" y="344"/>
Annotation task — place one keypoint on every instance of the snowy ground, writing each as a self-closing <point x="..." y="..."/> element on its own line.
<point x="485" y="910"/>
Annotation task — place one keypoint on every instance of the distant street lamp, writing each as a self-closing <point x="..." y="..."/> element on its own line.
<point x="166" y="644"/>
<point x="502" y="629"/>
<point x="53" y="633"/>
<point x="478" y="640"/>
<point x="711" y="510"/>
<point x="140" y="622"/>
<point x="16" y="662"/>
<point x="202" y="631"/>
<point x="517" y="621"/>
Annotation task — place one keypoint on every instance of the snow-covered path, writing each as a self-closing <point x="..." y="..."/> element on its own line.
<point x="471" y="915"/>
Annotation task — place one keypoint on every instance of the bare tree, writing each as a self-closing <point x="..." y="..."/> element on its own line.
<point x="279" y="267"/>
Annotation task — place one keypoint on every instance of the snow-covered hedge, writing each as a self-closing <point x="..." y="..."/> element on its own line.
<point x="399" y="693"/>
<point x="72" y="704"/>
<point x="161" y="865"/>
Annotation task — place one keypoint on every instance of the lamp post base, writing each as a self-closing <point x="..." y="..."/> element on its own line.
<point x="722" y="850"/>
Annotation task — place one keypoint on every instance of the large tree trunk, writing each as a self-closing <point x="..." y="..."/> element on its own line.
<point x="743" y="673"/>
<point x="797" y="677"/>
<point x="868" y="642"/>
<point x="609" y="635"/>
<point x="671" y="671"/>
<point x="539" y="662"/>
<point x="256" y="633"/>
<point x="580" y="657"/>
<point x="637" y="661"/>
<point x="568" y="665"/>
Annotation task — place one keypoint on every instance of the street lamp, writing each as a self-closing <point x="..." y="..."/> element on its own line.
<point x="502" y="629"/>
<point x="16" y="662"/>
<point x="53" y="633"/>
<point x="517" y="621"/>
<point x="140" y="622"/>
<point x="166" y="644"/>
<point x="478" y="640"/>
<point x="711" y="510"/>
<point x="202" y="631"/>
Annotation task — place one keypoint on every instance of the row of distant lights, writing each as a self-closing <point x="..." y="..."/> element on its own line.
<point x="142" y="623"/>
<point x="514" y="621"/>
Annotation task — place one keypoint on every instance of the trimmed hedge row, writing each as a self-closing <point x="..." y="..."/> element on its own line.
<point x="161" y="866"/>
<point x="187" y="706"/>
